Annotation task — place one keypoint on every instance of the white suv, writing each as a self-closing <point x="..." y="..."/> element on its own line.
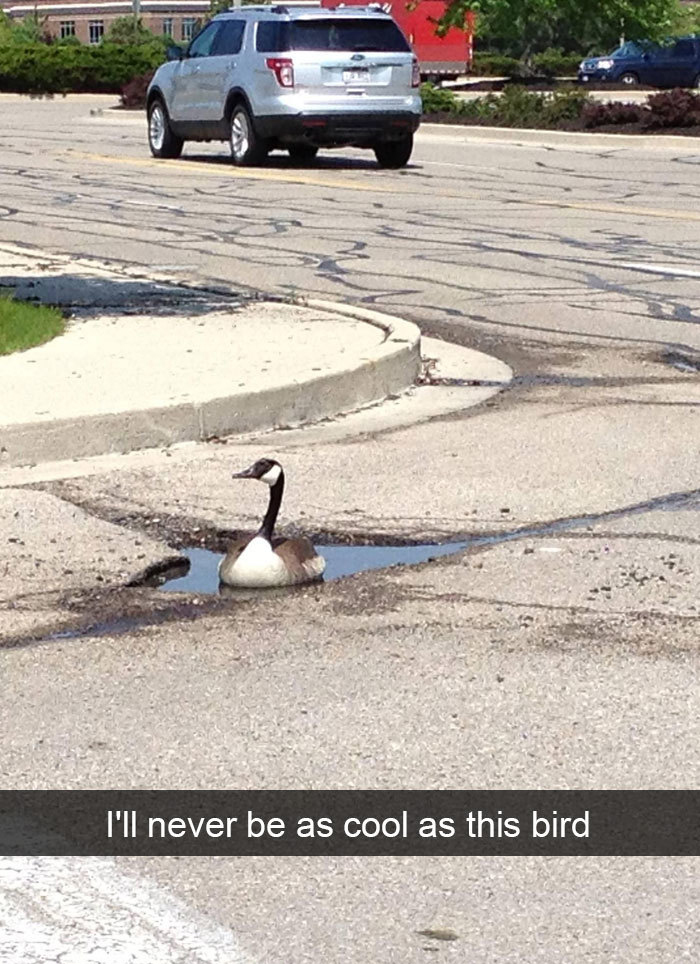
<point x="296" y="78"/>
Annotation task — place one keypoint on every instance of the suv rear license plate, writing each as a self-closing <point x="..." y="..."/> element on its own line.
<point x="358" y="76"/>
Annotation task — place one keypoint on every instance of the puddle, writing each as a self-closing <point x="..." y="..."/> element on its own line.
<point x="203" y="576"/>
<point x="199" y="573"/>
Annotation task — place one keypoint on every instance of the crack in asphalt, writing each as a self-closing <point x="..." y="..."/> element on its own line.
<point x="453" y="266"/>
<point x="153" y="611"/>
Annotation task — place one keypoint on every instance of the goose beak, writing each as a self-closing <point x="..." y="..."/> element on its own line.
<point x="245" y="474"/>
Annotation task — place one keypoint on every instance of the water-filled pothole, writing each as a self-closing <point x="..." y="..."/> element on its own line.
<point x="197" y="572"/>
<point x="203" y="577"/>
<point x="202" y="574"/>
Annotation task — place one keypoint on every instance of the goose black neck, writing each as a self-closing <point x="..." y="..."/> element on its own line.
<point x="273" y="507"/>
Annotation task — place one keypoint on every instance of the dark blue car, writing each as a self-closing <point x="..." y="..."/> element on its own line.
<point x="674" y="64"/>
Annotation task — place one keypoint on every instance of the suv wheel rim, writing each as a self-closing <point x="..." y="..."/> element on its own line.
<point x="240" y="136"/>
<point x="156" y="127"/>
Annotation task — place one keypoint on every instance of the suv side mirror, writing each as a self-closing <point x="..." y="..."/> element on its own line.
<point x="174" y="52"/>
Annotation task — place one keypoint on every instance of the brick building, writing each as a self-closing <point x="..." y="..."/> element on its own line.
<point x="88" y="22"/>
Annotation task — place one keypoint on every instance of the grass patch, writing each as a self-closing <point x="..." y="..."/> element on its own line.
<point x="23" y="325"/>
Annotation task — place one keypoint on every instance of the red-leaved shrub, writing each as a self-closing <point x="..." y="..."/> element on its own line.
<point x="673" y="108"/>
<point x="133" y="93"/>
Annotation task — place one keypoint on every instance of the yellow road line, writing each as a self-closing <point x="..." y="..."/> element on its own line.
<point x="314" y="180"/>
<point x="616" y="209"/>
<point x="228" y="170"/>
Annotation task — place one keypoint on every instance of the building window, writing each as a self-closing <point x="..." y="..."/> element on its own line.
<point x="97" y="29"/>
<point x="67" y="28"/>
<point x="168" y="27"/>
<point x="188" y="27"/>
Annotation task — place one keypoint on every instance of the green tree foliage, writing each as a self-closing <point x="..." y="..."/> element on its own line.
<point x="523" y="27"/>
<point x="31" y="29"/>
<point x="689" y="21"/>
<point x="128" y="30"/>
<point x="221" y="6"/>
<point x="218" y="6"/>
<point x="5" y="29"/>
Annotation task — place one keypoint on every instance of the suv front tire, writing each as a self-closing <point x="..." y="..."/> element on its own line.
<point x="247" y="149"/>
<point x="161" y="140"/>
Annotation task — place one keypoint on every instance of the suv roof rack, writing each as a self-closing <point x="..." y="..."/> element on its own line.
<point x="261" y="8"/>
<point x="305" y="6"/>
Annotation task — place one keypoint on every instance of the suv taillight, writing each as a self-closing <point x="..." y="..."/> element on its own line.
<point x="415" y="76"/>
<point x="284" y="70"/>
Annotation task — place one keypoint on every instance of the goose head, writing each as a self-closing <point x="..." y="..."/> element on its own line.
<point x="265" y="470"/>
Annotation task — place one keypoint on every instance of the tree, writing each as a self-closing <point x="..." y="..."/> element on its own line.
<point x="690" y="18"/>
<point x="523" y="27"/>
<point x="604" y="22"/>
<point x="221" y="6"/>
<point x="128" y="30"/>
<point x="30" y="30"/>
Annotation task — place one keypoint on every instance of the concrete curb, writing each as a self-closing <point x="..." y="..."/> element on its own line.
<point x="459" y="379"/>
<point x="576" y="139"/>
<point x="392" y="368"/>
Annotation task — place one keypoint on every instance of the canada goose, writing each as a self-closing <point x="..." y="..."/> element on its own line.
<point x="258" y="561"/>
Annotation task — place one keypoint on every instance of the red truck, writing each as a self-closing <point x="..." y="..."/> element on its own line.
<point x="440" y="58"/>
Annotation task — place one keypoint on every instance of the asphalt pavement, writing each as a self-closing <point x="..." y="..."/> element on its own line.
<point x="559" y="650"/>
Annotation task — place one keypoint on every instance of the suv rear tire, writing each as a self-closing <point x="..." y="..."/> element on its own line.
<point x="161" y="140"/>
<point x="247" y="149"/>
<point x="394" y="154"/>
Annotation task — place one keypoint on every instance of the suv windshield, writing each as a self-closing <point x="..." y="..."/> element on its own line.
<point x="632" y="48"/>
<point x="361" y="33"/>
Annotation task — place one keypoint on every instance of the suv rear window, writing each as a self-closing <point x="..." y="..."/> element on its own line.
<point x="361" y="33"/>
<point x="271" y="37"/>
<point x="683" y="49"/>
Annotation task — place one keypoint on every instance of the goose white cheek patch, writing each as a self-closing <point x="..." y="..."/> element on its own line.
<point x="271" y="475"/>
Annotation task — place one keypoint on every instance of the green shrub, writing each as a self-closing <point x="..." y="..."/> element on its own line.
<point x="484" y="109"/>
<point x="518" y="107"/>
<point x="58" y="68"/>
<point x="497" y="65"/>
<point x="438" y="100"/>
<point x="553" y="62"/>
<point x="564" y="105"/>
